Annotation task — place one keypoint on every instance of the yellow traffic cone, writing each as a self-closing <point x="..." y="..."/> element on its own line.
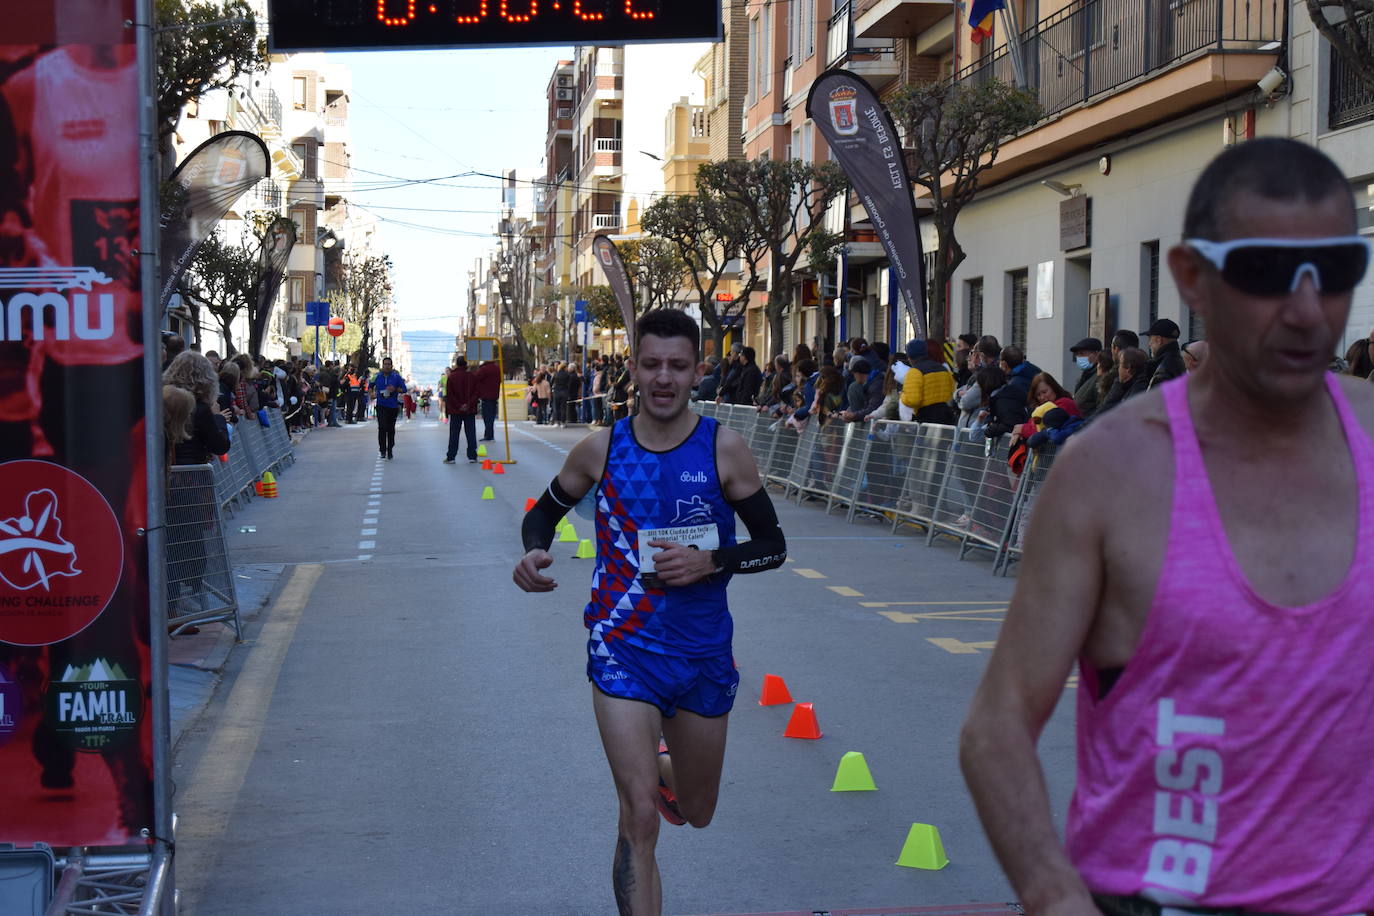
<point x="923" y="849"/>
<point x="852" y="775"/>
<point x="585" y="550"/>
<point x="569" y="535"/>
<point x="487" y="493"/>
<point x="481" y="451"/>
<point x="269" y="485"/>
<point x="562" y="523"/>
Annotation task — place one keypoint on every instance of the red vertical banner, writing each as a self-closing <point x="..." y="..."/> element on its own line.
<point x="75" y="672"/>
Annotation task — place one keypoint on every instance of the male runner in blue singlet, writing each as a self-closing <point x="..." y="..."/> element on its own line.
<point x="668" y="486"/>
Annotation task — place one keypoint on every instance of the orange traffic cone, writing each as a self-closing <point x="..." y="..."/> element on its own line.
<point x="224" y="458"/>
<point x="498" y="469"/>
<point x="529" y="503"/>
<point x="257" y="487"/>
<point x="486" y="465"/>
<point x="775" y="691"/>
<point x="803" y="723"/>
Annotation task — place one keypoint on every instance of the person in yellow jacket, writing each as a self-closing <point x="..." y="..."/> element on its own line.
<point x="443" y="392"/>
<point x="928" y="388"/>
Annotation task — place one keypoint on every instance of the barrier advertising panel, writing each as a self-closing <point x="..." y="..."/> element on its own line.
<point x="75" y="670"/>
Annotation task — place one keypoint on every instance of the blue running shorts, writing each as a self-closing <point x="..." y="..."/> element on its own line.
<point x="705" y="686"/>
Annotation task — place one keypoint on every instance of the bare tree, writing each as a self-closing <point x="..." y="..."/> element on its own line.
<point x="784" y="205"/>
<point x="366" y="288"/>
<point x="711" y="235"/>
<point x="955" y="131"/>
<point x="222" y="278"/>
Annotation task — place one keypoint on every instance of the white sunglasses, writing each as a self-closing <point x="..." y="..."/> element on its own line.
<point x="1273" y="267"/>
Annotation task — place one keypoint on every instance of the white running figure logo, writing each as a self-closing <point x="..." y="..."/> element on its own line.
<point x="37" y="532"/>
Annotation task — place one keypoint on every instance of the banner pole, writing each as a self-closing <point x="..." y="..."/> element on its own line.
<point x="154" y="533"/>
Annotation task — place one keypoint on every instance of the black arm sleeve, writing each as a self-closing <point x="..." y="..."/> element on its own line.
<point x="766" y="548"/>
<point x="540" y="523"/>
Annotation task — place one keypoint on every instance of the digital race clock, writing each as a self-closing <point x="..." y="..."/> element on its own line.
<point x="335" y="25"/>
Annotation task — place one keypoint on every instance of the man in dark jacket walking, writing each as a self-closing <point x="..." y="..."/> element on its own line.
<point x="561" y="383"/>
<point x="749" y="377"/>
<point x="488" y="378"/>
<point x="1166" y="359"/>
<point x="460" y="400"/>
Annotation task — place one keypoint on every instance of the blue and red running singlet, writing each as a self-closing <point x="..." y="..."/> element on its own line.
<point x="675" y="496"/>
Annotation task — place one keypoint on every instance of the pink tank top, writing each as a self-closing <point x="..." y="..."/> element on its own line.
<point x="1232" y="764"/>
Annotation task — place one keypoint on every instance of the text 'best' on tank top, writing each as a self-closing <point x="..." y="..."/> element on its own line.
<point x="1232" y="765"/>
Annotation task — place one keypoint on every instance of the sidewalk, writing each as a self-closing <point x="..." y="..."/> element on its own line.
<point x="196" y="660"/>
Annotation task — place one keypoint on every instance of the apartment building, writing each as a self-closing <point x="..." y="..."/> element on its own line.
<point x="724" y="71"/>
<point x="597" y="165"/>
<point x="299" y="107"/>
<point x="1070" y="233"/>
<point x="787" y="50"/>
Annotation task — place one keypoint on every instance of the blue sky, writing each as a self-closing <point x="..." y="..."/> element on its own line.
<point x="426" y="114"/>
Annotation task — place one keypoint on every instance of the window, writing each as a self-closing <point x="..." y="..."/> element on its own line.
<point x="295" y="293"/>
<point x="808" y="27"/>
<point x="973" y="297"/>
<point x="752" y="95"/>
<point x="299" y="91"/>
<point x="1019" y="281"/>
<point x="1149" y="280"/>
<point x="765" y="49"/>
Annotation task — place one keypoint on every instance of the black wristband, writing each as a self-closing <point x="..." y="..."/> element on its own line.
<point x="540" y="524"/>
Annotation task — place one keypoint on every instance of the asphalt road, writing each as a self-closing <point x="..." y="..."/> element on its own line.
<point x="406" y="732"/>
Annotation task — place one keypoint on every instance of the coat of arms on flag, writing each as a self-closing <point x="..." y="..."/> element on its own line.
<point x="980" y="18"/>
<point x="844" y="114"/>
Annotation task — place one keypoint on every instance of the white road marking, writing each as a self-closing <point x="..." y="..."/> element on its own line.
<point x="526" y="432"/>
<point x="367" y="545"/>
<point x="367" y="531"/>
<point x="371" y="512"/>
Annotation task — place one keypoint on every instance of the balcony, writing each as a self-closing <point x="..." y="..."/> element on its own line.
<point x="1350" y="100"/>
<point x="875" y="62"/>
<point x="270" y="106"/>
<point x="608" y="145"/>
<point x="1104" y="68"/>
<point x="899" y="18"/>
<point x="605" y="220"/>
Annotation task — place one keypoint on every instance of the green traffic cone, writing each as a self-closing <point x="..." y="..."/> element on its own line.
<point x="853" y="775"/>
<point x="568" y="536"/>
<point x="487" y="493"/>
<point x="923" y="849"/>
<point x="585" y="550"/>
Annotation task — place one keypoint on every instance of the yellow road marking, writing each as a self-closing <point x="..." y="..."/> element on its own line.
<point x="209" y="799"/>
<point x="810" y="573"/>
<point x="844" y="591"/>
<point x="929" y="603"/>
<point x="991" y="615"/>
<point x="959" y="647"/>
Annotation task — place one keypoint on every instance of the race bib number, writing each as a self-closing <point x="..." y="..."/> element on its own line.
<point x="694" y="537"/>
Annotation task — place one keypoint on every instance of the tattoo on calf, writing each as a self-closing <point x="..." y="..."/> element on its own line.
<point x="623" y="876"/>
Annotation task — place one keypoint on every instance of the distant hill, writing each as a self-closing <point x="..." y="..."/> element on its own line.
<point x="430" y="352"/>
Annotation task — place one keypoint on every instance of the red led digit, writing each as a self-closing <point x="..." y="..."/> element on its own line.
<point x="469" y="20"/>
<point x="637" y="14"/>
<point x="523" y="17"/>
<point x="395" y="20"/>
<point x="585" y="16"/>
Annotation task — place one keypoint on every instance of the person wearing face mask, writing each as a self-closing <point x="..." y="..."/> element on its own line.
<point x="1085" y="354"/>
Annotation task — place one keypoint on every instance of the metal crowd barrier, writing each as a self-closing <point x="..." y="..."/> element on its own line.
<point x="927" y="475"/>
<point x="200" y="580"/>
<point x="255" y="448"/>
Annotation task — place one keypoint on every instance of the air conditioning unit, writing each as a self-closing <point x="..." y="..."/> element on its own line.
<point x="564" y="80"/>
<point x="565" y="95"/>
<point x="564" y="113"/>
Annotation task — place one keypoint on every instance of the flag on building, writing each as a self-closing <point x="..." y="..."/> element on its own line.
<point x="980" y="18"/>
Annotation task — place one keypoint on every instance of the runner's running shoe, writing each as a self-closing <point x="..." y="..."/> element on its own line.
<point x="667" y="801"/>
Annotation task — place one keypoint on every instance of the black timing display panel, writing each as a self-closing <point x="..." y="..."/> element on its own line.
<point x="356" y="25"/>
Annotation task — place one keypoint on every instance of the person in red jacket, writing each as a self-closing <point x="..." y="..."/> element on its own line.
<point x="488" y="376"/>
<point x="460" y="400"/>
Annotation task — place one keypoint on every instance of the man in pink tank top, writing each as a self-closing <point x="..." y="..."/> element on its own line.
<point x="1223" y="635"/>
